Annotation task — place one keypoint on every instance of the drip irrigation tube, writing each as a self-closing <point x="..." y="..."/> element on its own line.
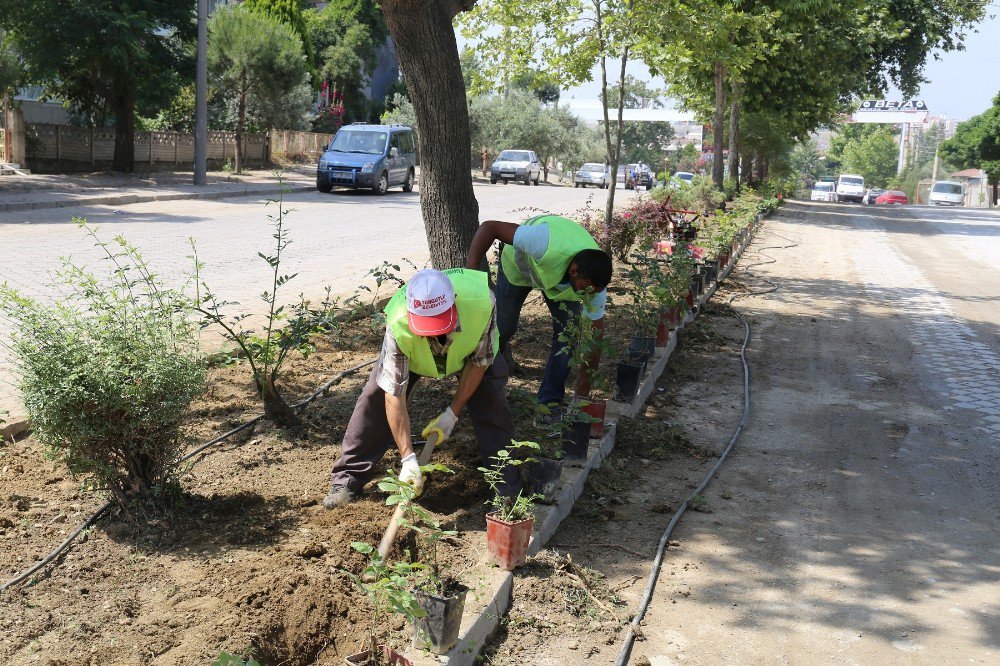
<point x="654" y="574"/>
<point x="101" y="510"/>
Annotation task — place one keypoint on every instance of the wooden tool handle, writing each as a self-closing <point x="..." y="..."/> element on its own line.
<point x="385" y="545"/>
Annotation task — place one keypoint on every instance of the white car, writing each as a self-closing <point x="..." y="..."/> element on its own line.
<point x="823" y="191"/>
<point x="681" y="178"/>
<point x="592" y="173"/>
<point x="519" y="165"/>
<point x="850" y="187"/>
<point x="947" y="193"/>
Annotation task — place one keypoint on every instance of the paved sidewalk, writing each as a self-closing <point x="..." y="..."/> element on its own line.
<point x="40" y="191"/>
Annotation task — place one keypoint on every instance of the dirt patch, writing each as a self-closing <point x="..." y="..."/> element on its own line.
<point x="248" y="557"/>
<point x="615" y="526"/>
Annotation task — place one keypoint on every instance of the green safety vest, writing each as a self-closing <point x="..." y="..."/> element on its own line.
<point x="475" y="307"/>
<point x="566" y="240"/>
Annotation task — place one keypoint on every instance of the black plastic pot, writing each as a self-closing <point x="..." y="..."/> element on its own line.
<point x="575" y="440"/>
<point x="541" y="476"/>
<point x="645" y="345"/>
<point x="712" y="269"/>
<point x="696" y="286"/>
<point x="627" y="375"/>
<point x="438" y="631"/>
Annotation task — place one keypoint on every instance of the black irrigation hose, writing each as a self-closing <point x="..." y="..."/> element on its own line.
<point x="101" y="510"/>
<point x="654" y="574"/>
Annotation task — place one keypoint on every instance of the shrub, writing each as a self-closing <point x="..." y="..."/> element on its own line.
<point x="107" y="372"/>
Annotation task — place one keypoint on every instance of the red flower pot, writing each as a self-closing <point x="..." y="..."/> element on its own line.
<point x="662" y="332"/>
<point x="690" y="300"/>
<point x="596" y="410"/>
<point x="507" y="543"/>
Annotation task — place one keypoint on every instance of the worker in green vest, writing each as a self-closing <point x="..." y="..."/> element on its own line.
<point x="562" y="260"/>
<point x="441" y="323"/>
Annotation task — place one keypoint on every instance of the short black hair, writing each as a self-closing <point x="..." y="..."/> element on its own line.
<point x="594" y="265"/>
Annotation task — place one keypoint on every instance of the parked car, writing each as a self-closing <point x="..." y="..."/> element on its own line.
<point x="850" y="187"/>
<point x="522" y="165"/>
<point x="368" y="156"/>
<point x="822" y="191"/>
<point x="892" y="197"/>
<point x="681" y="178"/>
<point x="947" y="193"/>
<point x="593" y="173"/>
<point x="871" y="195"/>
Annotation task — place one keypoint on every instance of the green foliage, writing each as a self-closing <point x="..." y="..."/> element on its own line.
<point x="506" y="508"/>
<point x="285" y="328"/>
<point x="286" y="12"/>
<point x="244" y="658"/>
<point x="429" y="530"/>
<point x="346" y="36"/>
<point x="700" y="195"/>
<point x="389" y="590"/>
<point x="177" y="116"/>
<point x="256" y="64"/>
<point x="11" y="68"/>
<point x="105" y="56"/>
<point x="107" y="373"/>
<point x="976" y="144"/>
<point x="873" y="156"/>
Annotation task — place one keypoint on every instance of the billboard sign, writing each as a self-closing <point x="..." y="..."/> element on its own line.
<point x="889" y="105"/>
<point x="891" y="111"/>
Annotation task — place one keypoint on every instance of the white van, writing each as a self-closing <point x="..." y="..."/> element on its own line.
<point x="947" y="193"/>
<point x="850" y="187"/>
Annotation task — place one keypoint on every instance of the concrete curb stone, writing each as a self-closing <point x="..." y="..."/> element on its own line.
<point x="127" y="199"/>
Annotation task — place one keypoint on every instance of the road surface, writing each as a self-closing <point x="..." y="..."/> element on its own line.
<point x="860" y="518"/>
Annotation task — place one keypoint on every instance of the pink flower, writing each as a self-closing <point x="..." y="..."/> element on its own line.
<point x="626" y="215"/>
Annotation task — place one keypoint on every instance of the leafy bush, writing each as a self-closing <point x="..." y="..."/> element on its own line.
<point x="107" y="372"/>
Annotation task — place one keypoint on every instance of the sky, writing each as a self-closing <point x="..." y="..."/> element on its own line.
<point x="961" y="84"/>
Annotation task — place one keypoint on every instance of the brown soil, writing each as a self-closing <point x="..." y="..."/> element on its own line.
<point x="612" y="534"/>
<point x="249" y="557"/>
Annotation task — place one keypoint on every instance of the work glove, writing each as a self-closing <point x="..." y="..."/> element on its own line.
<point x="411" y="474"/>
<point x="442" y="425"/>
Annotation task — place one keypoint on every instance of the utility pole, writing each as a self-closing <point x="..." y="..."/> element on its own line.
<point x="201" y="98"/>
<point x="934" y="171"/>
<point x="902" y="147"/>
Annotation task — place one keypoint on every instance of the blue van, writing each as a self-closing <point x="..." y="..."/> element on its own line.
<point x="374" y="157"/>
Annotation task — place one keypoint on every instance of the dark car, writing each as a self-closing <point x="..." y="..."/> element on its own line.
<point x="871" y="195"/>
<point x="366" y="156"/>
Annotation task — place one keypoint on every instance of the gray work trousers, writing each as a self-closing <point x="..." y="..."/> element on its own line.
<point x="368" y="435"/>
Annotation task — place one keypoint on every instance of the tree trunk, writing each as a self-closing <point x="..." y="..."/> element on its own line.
<point x="428" y="57"/>
<point x="277" y="410"/>
<point x="746" y="168"/>
<point x="718" y="165"/>
<point x="241" y="118"/>
<point x="616" y="154"/>
<point x="734" y="134"/>
<point x="124" y="158"/>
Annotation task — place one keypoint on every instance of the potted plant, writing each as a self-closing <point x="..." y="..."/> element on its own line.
<point x="584" y="347"/>
<point x="541" y="472"/>
<point x="440" y="597"/>
<point x="509" y="523"/>
<point x="389" y="590"/>
<point x="643" y="315"/>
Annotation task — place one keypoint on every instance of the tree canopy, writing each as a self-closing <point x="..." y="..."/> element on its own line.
<point x="976" y="145"/>
<point x="101" y="56"/>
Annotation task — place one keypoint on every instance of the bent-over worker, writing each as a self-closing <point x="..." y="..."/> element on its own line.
<point x="561" y="259"/>
<point x="441" y="323"/>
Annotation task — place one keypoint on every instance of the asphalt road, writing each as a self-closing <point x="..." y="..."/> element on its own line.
<point x="336" y="238"/>
<point x="864" y="515"/>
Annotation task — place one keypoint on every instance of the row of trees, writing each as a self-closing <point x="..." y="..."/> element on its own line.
<point x="130" y="63"/>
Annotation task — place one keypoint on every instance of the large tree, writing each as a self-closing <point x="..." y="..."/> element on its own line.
<point x="874" y="156"/>
<point x="643" y="140"/>
<point x="976" y="145"/>
<point x="428" y="57"/>
<point x="288" y="12"/>
<point x="117" y="56"/>
<point x="256" y="63"/>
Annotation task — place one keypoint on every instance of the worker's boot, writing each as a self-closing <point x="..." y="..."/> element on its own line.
<point x="339" y="495"/>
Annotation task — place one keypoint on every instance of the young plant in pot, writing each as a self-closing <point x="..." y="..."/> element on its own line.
<point x="441" y="597"/>
<point x="584" y="344"/>
<point x="509" y="523"/>
<point x="643" y="314"/>
<point x="389" y="588"/>
<point x="540" y="473"/>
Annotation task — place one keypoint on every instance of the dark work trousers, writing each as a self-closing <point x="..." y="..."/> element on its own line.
<point x="368" y="435"/>
<point x="510" y="300"/>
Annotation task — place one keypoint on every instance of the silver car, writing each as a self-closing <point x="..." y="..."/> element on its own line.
<point x="592" y="173"/>
<point x="520" y="165"/>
